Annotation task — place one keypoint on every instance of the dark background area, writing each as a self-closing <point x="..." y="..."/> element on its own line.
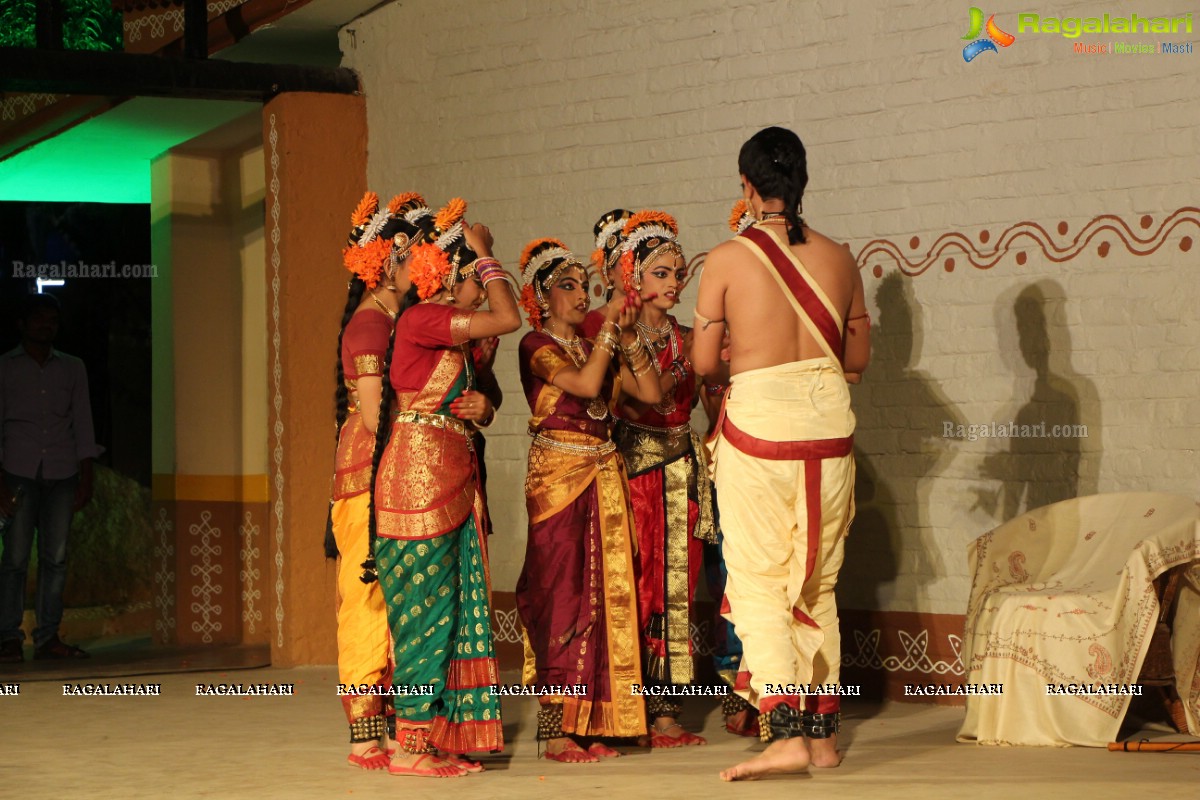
<point x="105" y="321"/>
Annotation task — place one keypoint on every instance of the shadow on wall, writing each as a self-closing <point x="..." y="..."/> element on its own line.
<point x="899" y="452"/>
<point x="1053" y="450"/>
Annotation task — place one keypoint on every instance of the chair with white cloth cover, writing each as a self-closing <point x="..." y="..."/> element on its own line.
<point x="1063" y="597"/>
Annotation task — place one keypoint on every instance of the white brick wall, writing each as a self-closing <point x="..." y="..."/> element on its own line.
<point x="543" y="119"/>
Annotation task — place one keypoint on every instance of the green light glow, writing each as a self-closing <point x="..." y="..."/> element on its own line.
<point x="87" y="24"/>
<point x="107" y="158"/>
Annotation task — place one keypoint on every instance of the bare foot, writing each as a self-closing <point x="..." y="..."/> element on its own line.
<point x="824" y="752"/>
<point x="601" y="750"/>
<point x="565" y="749"/>
<point x="783" y="756"/>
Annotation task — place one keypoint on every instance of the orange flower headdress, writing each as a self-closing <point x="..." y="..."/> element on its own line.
<point x="647" y="234"/>
<point x="429" y="266"/>
<point x="740" y="216"/>
<point x="609" y="236"/>
<point x="537" y="256"/>
<point x="367" y="254"/>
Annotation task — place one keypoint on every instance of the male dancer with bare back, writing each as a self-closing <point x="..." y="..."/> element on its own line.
<point x="792" y="301"/>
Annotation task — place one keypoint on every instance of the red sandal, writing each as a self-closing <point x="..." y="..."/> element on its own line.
<point x="572" y="754"/>
<point x="416" y="770"/>
<point x="463" y="763"/>
<point x="659" y="737"/>
<point x="374" y="758"/>
<point x="749" y="730"/>
<point x="601" y="750"/>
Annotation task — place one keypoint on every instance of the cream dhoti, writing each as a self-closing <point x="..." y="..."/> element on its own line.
<point x="784" y="475"/>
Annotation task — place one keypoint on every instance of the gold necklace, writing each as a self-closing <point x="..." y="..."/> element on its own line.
<point x="667" y="404"/>
<point x="597" y="409"/>
<point x="391" y="314"/>
<point x="660" y="331"/>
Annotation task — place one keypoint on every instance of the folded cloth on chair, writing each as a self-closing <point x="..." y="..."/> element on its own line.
<point x="1061" y="612"/>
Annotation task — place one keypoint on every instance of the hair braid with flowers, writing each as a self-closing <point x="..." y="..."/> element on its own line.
<point x="740" y="216"/>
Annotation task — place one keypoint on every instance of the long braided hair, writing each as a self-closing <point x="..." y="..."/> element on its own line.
<point x="342" y="395"/>
<point x="391" y="233"/>
<point x="383" y="432"/>
<point x="774" y="162"/>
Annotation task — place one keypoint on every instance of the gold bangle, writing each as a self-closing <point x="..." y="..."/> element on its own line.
<point x="608" y="342"/>
<point x="640" y="363"/>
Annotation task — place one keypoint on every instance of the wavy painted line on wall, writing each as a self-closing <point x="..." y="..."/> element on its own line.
<point x="1024" y="237"/>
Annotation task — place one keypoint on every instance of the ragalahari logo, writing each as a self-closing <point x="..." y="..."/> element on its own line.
<point x="995" y="36"/>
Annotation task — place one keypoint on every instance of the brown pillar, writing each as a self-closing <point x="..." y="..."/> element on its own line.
<point x="315" y="153"/>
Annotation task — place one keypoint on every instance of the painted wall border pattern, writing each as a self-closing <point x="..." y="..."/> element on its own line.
<point x="947" y="246"/>
<point x="26" y="104"/>
<point x="206" y="590"/>
<point x="157" y="21"/>
<point x="164" y="578"/>
<point x="277" y="377"/>
<point x="914" y="653"/>
<point x="250" y="573"/>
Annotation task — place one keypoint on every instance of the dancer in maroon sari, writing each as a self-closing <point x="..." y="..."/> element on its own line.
<point x="575" y="595"/>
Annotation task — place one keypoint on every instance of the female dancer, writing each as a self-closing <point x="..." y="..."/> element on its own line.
<point x="431" y="551"/>
<point x="608" y="231"/>
<point x="575" y="594"/>
<point x="378" y="246"/>
<point x="668" y="472"/>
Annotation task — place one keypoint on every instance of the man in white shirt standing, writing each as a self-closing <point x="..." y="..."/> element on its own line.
<point x="47" y="444"/>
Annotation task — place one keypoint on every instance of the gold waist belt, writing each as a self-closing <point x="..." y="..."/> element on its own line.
<point x="678" y="430"/>
<point x="599" y="450"/>
<point x="434" y="421"/>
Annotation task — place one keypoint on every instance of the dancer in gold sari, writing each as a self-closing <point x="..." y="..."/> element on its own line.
<point x="576" y="595"/>
<point x="431" y="548"/>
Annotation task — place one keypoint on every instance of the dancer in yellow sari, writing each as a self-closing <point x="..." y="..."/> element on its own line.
<point x="378" y="246"/>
